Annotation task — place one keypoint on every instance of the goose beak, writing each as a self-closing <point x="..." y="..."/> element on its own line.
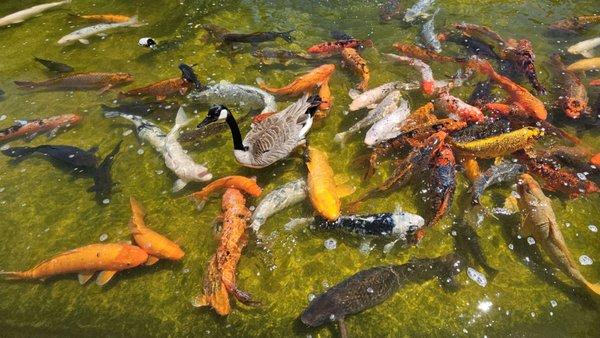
<point x="205" y="122"/>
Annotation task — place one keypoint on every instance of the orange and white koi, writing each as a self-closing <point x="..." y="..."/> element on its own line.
<point x="428" y="82"/>
<point x="331" y="47"/>
<point x="107" y="18"/>
<point x="245" y="184"/>
<point x="458" y="109"/>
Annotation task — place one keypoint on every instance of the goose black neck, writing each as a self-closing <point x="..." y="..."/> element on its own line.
<point x="235" y="133"/>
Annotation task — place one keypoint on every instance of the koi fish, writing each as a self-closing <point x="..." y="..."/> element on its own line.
<point x="471" y="167"/>
<point x="585" y="48"/>
<point x="323" y="192"/>
<point x="33" y="127"/>
<point x="479" y="32"/>
<point x="233" y="94"/>
<point x="219" y="279"/>
<point x="79" y="81"/>
<point x="573" y="99"/>
<point x="520" y="53"/>
<point x="370" y="98"/>
<point x="25" y="14"/>
<point x="302" y="84"/>
<point x="539" y="221"/>
<point x="257" y="37"/>
<point x="389" y="126"/>
<point x="161" y="90"/>
<point x="352" y="58"/>
<point x="520" y="97"/>
<point x="247" y="185"/>
<point x="503" y="172"/>
<point x="417" y="52"/>
<point x="277" y="200"/>
<point x="488" y="128"/>
<point x="154" y="244"/>
<point x="458" y="109"/>
<point x="585" y="64"/>
<point x="558" y="179"/>
<point x="85" y="261"/>
<point x="106" y="18"/>
<point x="326" y="100"/>
<point x="429" y="36"/>
<point x="595" y="83"/>
<point x="332" y="47"/>
<point x="281" y="55"/>
<point x="466" y="238"/>
<point x="54" y="66"/>
<point x="418" y="10"/>
<point x="575" y="24"/>
<point x="69" y="155"/>
<point x="500" y="145"/>
<point x="442" y="183"/>
<point x="374" y="286"/>
<point x="428" y="82"/>
<point x="83" y="34"/>
<point x="390" y="9"/>
<point x="384" y="108"/>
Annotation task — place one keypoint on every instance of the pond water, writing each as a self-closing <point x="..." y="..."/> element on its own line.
<point x="44" y="210"/>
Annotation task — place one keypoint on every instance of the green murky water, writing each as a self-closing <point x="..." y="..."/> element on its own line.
<point x="45" y="211"/>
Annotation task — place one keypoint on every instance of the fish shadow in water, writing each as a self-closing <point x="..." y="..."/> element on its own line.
<point x="75" y="172"/>
<point x="142" y="272"/>
<point x="539" y="267"/>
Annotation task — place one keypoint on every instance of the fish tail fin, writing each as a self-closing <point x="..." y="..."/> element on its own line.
<point x="11" y="275"/>
<point x="260" y="82"/>
<point x="19" y="151"/>
<point x="134" y="22"/>
<point x="593" y="288"/>
<point x="182" y="119"/>
<point x="287" y="35"/>
<point x="341" y="138"/>
<point x="26" y="84"/>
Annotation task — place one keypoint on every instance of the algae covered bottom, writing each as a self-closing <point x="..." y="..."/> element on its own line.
<point x="45" y="210"/>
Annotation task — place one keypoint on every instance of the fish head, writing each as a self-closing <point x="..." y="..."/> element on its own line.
<point x="131" y="256"/>
<point x="321" y="310"/>
<point x="122" y="77"/>
<point x="529" y="190"/>
<point x="574" y="107"/>
<point x="326" y="70"/>
<point x="215" y="113"/>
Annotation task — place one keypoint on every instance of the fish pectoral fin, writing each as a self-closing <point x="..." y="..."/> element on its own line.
<point x="344" y="190"/>
<point x="200" y="301"/>
<point x="104" y="277"/>
<point x="151" y="260"/>
<point x="161" y="97"/>
<point x="588" y="53"/>
<point x="105" y="89"/>
<point x="179" y="184"/>
<point x="372" y="106"/>
<point x="340" y="179"/>
<point x="342" y="327"/>
<point x="84" y="277"/>
<point x="84" y="41"/>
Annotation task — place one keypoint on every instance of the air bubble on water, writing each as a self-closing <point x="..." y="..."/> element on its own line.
<point x="330" y="244"/>
<point x="484" y="306"/>
<point x="105" y="201"/>
<point x="553" y="303"/>
<point x="325" y="284"/>
<point x="533" y="314"/>
<point x="567" y="224"/>
<point x="2" y="189"/>
<point x="370" y="290"/>
<point x="127" y="132"/>
<point x="585" y="260"/>
<point x="592" y="227"/>
<point x="477" y="277"/>
<point x="103" y="237"/>
<point x="511" y="246"/>
<point x="311" y="296"/>
<point x="453" y="233"/>
<point x="186" y="270"/>
<point x="332" y="317"/>
<point x="530" y="240"/>
<point x="159" y="172"/>
<point x="252" y="208"/>
<point x="581" y="176"/>
<point x="140" y="151"/>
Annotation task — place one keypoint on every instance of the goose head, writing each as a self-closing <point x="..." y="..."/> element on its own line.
<point x="215" y="114"/>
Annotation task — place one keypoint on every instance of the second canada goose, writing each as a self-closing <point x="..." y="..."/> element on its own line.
<point x="271" y="139"/>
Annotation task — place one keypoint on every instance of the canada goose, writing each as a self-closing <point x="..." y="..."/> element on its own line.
<point x="271" y="139"/>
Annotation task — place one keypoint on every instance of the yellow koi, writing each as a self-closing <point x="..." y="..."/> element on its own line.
<point x="500" y="145"/>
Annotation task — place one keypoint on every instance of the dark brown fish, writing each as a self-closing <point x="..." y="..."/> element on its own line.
<point x="103" y="182"/>
<point x="281" y="55"/>
<point x="575" y="24"/>
<point x="467" y="240"/>
<point x="102" y="81"/>
<point x="488" y="128"/>
<point x="54" y="66"/>
<point x="573" y="99"/>
<point x="442" y="183"/>
<point x="415" y="51"/>
<point x="503" y="172"/>
<point x="520" y="53"/>
<point x="161" y="90"/>
<point x="372" y="287"/>
<point x="257" y="37"/>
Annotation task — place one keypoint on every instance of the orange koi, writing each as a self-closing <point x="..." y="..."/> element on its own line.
<point x="326" y="100"/>
<point x="32" y="127"/>
<point x="248" y="185"/>
<point x="351" y="57"/>
<point x="156" y="245"/>
<point x="107" y="18"/>
<point x="102" y="81"/>
<point x="595" y="82"/>
<point x="458" y="109"/>
<point x="162" y="89"/>
<point x="219" y="279"/>
<point x="521" y="98"/>
<point x="417" y="52"/>
<point x="331" y="47"/>
<point x="85" y="261"/>
<point x="302" y="84"/>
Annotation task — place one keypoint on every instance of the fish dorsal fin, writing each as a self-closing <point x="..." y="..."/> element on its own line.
<point x="84" y="277"/>
<point x="84" y="41"/>
<point x="588" y="53"/>
<point x="344" y="190"/>
<point x="104" y="277"/>
<point x="151" y="260"/>
<point x="137" y="216"/>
